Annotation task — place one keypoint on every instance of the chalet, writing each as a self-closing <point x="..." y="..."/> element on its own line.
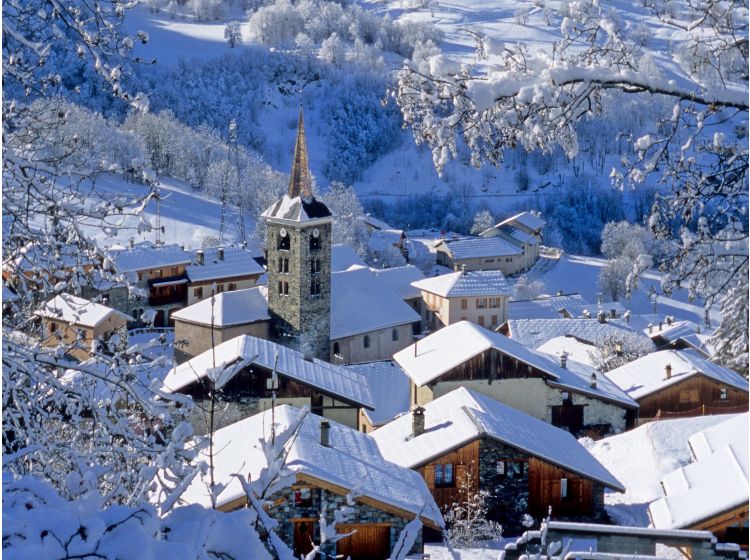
<point x="477" y="296"/>
<point x="228" y="315"/>
<point x="400" y="279"/>
<point x="335" y="471"/>
<point x="681" y="383"/>
<point x="369" y="320"/>
<point x="328" y="390"/>
<point x="466" y="442"/>
<point x="158" y="275"/>
<point x="522" y="230"/>
<point x="221" y="269"/>
<point x="481" y="253"/>
<point x="557" y="390"/>
<point x="710" y="493"/>
<point x="68" y="319"/>
<point x="389" y="387"/>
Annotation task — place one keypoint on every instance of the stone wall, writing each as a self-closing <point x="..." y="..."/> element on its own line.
<point x="284" y="510"/>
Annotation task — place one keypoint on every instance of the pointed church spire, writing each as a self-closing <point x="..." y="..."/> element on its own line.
<point x="299" y="182"/>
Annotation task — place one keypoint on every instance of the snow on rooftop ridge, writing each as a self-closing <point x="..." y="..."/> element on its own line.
<point x="401" y="279"/>
<point x="361" y="303"/>
<point x="347" y="385"/>
<point x="729" y="432"/>
<point x="227" y="309"/>
<point x="235" y="262"/>
<point x="647" y="374"/>
<point x="536" y="332"/>
<point x="462" y="416"/>
<point x="389" y="387"/>
<point x="526" y="219"/>
<point x="146" y="255"/>
<point x="545" y="307"/>
<point x="479" y="247"/>
<point x="467" y="284"/>
<point x="351" y="461"/>
<point x="78" y="311"/>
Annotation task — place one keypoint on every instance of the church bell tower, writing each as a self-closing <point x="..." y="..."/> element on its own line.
<point x="299" y="261"/>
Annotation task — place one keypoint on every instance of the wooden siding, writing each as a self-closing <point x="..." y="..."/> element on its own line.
<point x="370" y="541"/>
<point x="545" y="491"/>
<point x="728" y="527"/>
<point x="689" y="397"/>
<point x="492" y="364"/>
<point x="465" y="461"/>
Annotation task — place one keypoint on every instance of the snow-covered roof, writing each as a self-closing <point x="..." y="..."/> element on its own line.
<point x="453" y="345"/>
<point x="467" y="284"/>
<point x="229" y="308"/>
<point x="535" y="332"/>
<point x="236" y="262"/>
<point x="347" y="385"/>
<point x="380" y="240"/>
<point x="480" y="247"/>
<point x="519" y="235"/>
<point x="544" y="307"/>
<point x="389" y="387"/>
<point x="146" y="255"/>
<point x="575" y="349"/>
<point x="343" y="257"/>
<point x="400" y="279"/>
<point x="646" y="375"/>
<point x="35" y="256"/>
<point x="351" y="461"/>
<point x="713" y="438"/>
<point x="677" y="329"/>
<point x="716" y="483"/>
<point x="462" y="416"/>
<point x="361" y="303"/>
<point x="526" y="219"/>
<point x="374" y="222"/>
<point x="296" y="209"/>
<point x="78" y="311"/>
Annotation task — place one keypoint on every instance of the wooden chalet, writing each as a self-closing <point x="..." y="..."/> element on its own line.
<point x="672" y="383"/>
<point x="328" y="390"/>
<point x="567" y="394"/>
<point x="464" y="442"/>
<point x="329" y="461"/>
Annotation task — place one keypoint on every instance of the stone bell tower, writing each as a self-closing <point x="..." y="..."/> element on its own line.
<point x="299" y="261"/>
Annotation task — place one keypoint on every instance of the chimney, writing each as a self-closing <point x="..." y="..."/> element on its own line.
<point x="131" y="243"/>
<point x="417" y="421"/>
<point x="463" y="270"/>
<point x="601" y="316"/>
<point x="660" y="325"/>
<point x="668" y="371"/>
<point x="559" y="292"/>
<point x="650" y="328"/>
<point x="220" y="252"/>
<point x="669" y="320"/>
<point x="564" y="360"/>
<point x="325" y="433"/>
<point x="199" y="257"/>
<point x="626" y="315"/>
<point x="613" y="313"/>
<point x="592" y="382"/>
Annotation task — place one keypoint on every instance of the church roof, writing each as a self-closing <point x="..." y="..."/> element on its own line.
<point x="298" y="204"/>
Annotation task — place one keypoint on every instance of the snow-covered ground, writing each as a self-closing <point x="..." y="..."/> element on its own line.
<point x="640" y="458"/>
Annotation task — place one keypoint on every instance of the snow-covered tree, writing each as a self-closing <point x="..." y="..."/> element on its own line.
<point x="233" y="33"/>
<point x="542" y="99"/>
<point x="613" y="278"/>
<point x="466" y="520"/>
<point x="483" y="220"/>
<point x="613" y="351"/>
<point x="526" y="289"/>
<point x="623" y="239"/>
<point x="348" y="226"/>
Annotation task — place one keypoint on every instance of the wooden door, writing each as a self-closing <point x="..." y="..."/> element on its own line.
<point x="372" y="541"/>
<point x="568" y="417"/>
<point x="304" y="532"/>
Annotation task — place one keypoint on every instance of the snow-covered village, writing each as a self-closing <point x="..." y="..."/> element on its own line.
<point x="375" y="279"/>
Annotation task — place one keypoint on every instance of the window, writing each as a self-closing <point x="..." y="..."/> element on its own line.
<point x="284" y="243"/>
<point x="219" y="288"/>
<point x="509" y="259"/>
<point x="52" y="327"/>
<point x="315" y="266"/>
<point x="173" y="270"/>
<point x="140" y="276"/>
<point x="314" y="243"/>
<point x="494" y="320"/>
<point x="231" y="287"/>
<point x="481" y="320"/>
<point x="315" y="287"/>
<point x="336" y="349"/>
<point x="464" y="304"/>
<point x="723" y="394"/>
<point x="283" y="266"/>
<point x="283" y="288"/>
<point x="564" y="489"/>
<point x="689" y="396"/>
<point x="463" y="318"/>
<point x="303" y="497"/>
<point x="495" y="302"/>
<point x="489" y="260"/>
<point x="394" y="335"/>
<point x="510" y="469"/>
<point x="481" y="303"/>
<point x="198" y="292"/>
<point x="444" y="476"/>
<point x="157" y="272"/>
<point x="367" y="341"/>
